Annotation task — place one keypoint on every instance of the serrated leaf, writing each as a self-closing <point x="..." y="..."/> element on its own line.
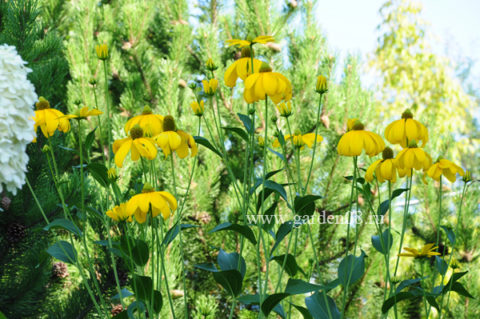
<point x="243" y="230"/>
<point x="63" y="251"/>
<point x="203" y="141"/>
<point x="65" y="224"/>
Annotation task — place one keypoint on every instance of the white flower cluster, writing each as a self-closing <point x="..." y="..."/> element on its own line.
<point x="17" y="97"/>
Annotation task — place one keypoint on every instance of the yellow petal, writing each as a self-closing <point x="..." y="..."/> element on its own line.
<point x="122" y="152"/>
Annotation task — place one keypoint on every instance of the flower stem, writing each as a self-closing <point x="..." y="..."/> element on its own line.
<point x="107" y="102"/>
<point x="36" y="200"/>
<point x="319" y="111"/>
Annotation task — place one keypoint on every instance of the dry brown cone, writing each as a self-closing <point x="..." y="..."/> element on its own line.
<point x="117" y="309"/>
<point x="59" y="270"/>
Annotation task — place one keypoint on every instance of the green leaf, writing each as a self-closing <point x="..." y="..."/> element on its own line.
<point x="65" y="224"/>
<point x="398" y="192"/>
<point x="276" y="188"/>
<point x="431" y="300"/>
<point x="298" y="286"/>
<point x="441" y="265"/>
<point x="135" y="306"/>
<point x="268" y="225"/>
<point x="454" y="278"/>
<point x="407" y="283"/>
<point x="351" y="269"/>
<point x="174" y="231"/>
<point x="207" y="266"/>
<point x="232" y="261"/>
<point x="276" y="153"/>
<point x="138" y="248"/>
<point x="125" y="293"/>
<point x="303" y="311"/>
<point x="247" y="122"/>
<point x="230" y="280"/>
<point x="243" y="230"/>
<point x="458" y="288"/>
<point x="383" y="208"/>
<point x="387" y="240"/>
<point x="121" y="315"/>
<point x="305" y="205"/>
<point x="322" y="306"/>
<point x="99" y="172"/>
<point x="249" y="299"/>
<point x="63" y="251"/>
<point x="282" y="231"/>
<point x="291" y="266"/>
<point x="2" y="316"/>
<point x="390" y="302"/>
<point x="271" y="301"/>
<point x="157" y="301"/>
<point x="89" y="139"/>
<point x="144" y="286"/>
<point x="450" y="234"/>
<point x="240" y="132"/>
<point x="203" y="141"/>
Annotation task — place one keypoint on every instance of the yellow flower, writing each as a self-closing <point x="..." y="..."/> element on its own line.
<point x="413" y="157"/>
<point x="102" y="51"/>
<point x="357" y="139"/>
<point x="159" y="202"/>
<point x="151" y="124"/>
<point x="241" y="68"/>
<point x="49" y="120"/>
<point x="446" y="168"/>
<point x="266" y="82"/>
<point x="406" y="129"/>
<point x="172" y="139"/>
<point x="321" y="86"/>
<point x="83" y="113"/>
<point x="299" y="140"/>
<point x="285" y="109"/>
<point x="261" y="141"/>
<point x="137" y="144"/>
<point x="244" y="43"/>
<point x="112" y="173"/>
<point x="210" y="87"/>
<point x="198" y="108"/>
<point x="427" y="251"/>
<point x="210" y="65"/>
<point x="385" y="169"/>
<point x="119" y="213"/>
<point x="188" y="144"/>
<point x="467" y="177"/>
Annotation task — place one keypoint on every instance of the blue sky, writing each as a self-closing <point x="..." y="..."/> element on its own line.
<point x="350" y="26"/>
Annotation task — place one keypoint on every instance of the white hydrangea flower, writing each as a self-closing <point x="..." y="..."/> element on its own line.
<point x="17" y="97"/>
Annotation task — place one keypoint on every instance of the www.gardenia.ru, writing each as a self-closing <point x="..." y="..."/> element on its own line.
<point x="323" y="218"/>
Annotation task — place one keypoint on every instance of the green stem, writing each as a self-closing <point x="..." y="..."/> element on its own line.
<point x="107" y="102"/>
<point x="36" y="200"/>
<point x="319" y="111"/>
<point x="165" y="272"/>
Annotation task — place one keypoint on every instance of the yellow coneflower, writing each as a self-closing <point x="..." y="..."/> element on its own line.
<point x="285" y="109"/>
<point x="49" y="120"/>
<point x="172" y="139"/>
<point x="427" y="251"/>
<point x="357" y="140"/>
<point x="241" y="68"/>
<point x="139" y="146"/>
<point x="102" y="51"/>
<point x="119" y="213"/>
<point x="210" y="86"/>
<point x="321" y="86"/>
<point x="198" y="108"/>
<point x="159" y="202"/>
<point x="446" y="168"/>
<point x="83" y="113"/>
<point x="245" y="43"/>
<point x="412" y="157"/>
<point x="385" y="169"/>
<point x="267" y="83"/>
<point x="210" y="65"/>
<point x="299" y="140"/>
<point x="151" y="124"/>
<point x="406" y="129"/>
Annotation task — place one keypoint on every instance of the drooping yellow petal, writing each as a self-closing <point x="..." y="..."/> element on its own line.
<point x="122" y="152"/>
